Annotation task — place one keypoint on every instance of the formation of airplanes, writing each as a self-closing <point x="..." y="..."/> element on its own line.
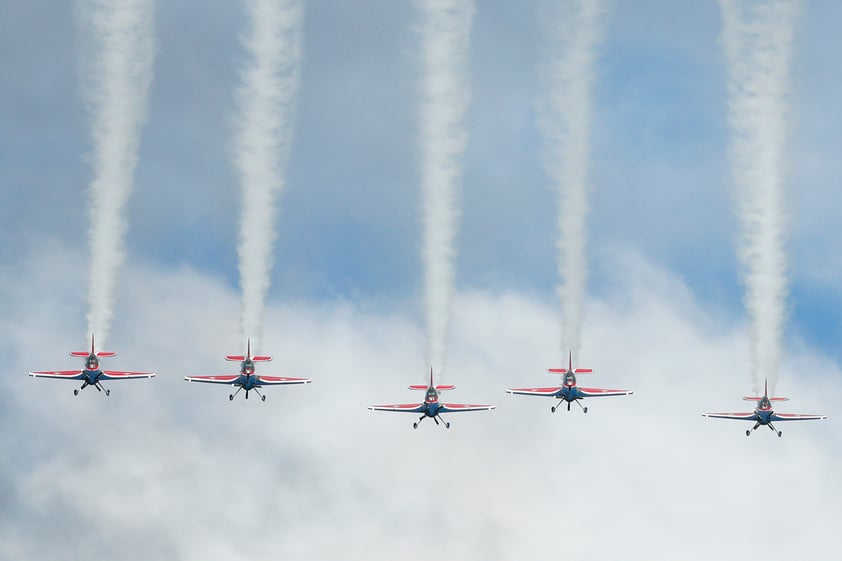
<point x="568" y="392"/>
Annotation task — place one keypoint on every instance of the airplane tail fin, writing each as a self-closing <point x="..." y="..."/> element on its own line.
<point x="256" y="358"/>
<point x="93" y="351"/>
<point x="570" y="368"/>
<point x="765" y="394"/>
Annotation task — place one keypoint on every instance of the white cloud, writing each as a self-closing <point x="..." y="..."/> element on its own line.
<point x="171" y="470"/>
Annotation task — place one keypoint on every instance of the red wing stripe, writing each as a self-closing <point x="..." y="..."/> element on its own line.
<point x="400" y="407"/>
<point x="798" y="417"/>
<point x="736" y="416"/>
<point x="117" y="374"/>
<point x="458" y="407"/>
<point x="225" y="379"/>
<point x="596" y="392"/>
<point x="56" y="374"/>
<point x="283" y="380"/>
<point x="534" y="391"/>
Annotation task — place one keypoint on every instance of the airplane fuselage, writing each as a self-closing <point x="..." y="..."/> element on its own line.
<point x="431" y="403"/>
<point x="248" y="382"/>
<point x="92" y="376"/>
<point x="569" y="390"/>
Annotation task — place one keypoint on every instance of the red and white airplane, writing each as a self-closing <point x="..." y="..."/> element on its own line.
<point x="763" y="414"/>
<point x="569" y="390"/>
<point x="431" y="407"/>
<point x="92" y="374"/>
<point x="247" y="379"/>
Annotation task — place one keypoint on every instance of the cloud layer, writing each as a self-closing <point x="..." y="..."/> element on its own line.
<point x="176" y="471"/>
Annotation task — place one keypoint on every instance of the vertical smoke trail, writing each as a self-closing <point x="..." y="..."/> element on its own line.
<point x="566" y="122"/>
<point x="117" y="72"/>
<point x="265" y="100"/>
<point x="758" y="38"/>
<point x="446" y="28"/>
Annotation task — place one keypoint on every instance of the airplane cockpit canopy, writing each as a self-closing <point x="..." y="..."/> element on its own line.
<point x="569" y="379"/>
<point x="432" y="395"/>
<point x="92" y="363"/>
<point x="765" y="403"/>
<point x="248" y="367"/>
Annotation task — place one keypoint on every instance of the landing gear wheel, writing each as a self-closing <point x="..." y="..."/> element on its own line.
<point x="586" y="409"/>
<point x="415" y="425"/>
<point x="748" y="433"/>
<point x="75" y="392"/>
<point x="447" y="425"/>
<point x="552" y="408"/>
<point x="230" y="397"/>
<point x="262" y="398"/>
<point x="779" y="434"/>
<point x="107" y="392"/>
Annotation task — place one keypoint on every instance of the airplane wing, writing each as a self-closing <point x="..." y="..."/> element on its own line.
<point x="549" y="392"/>
<point x="124" y="375"/>
<point x="796" y="417"/>
<point x="281" y="380"/>
<point x="60" y="374"/>
<point x="400" y="407"/>
<point x="738" y="416"/>
<point x="602" y="392"/>
<point x="227" y="379"/>
<point x="458" y="407"/>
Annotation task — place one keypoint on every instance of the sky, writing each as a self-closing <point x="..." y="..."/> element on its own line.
<point x="167" y="469"/>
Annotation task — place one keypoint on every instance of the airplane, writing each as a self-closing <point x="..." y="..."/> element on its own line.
<point x="431" y="407"/>
<point x="247" y="379"/>
<point x="569" y="391"/>
<point x="763" y="413"/>
<point x="92" y="374"/>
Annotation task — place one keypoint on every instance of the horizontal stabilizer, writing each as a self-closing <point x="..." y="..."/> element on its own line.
<point x="557" y="370"/>
<point x="583" y="370"/>
<point x="755" y="398"/>
<point x="261" y="358"/>
<point x="424" y="387"/>
<point x="235" y="358"/>
<point x="79" y="353"/>
<point x="105" y="354"/>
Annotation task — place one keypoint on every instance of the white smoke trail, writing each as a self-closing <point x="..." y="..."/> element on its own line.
<point x="574" y="31"/>
<point x="758" y="39"/>
<point x="117" y="72"/>
<point x="265" y="99"/>
<point x="445" y="30"/>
